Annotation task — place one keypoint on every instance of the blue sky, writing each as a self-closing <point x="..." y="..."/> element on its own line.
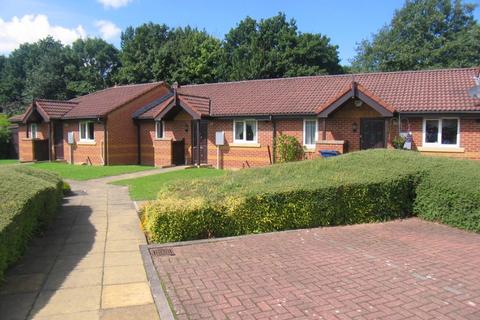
<point x="346" y="22"/>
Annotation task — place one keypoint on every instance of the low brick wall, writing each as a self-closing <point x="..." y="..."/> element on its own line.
<point x="334" y="145"/>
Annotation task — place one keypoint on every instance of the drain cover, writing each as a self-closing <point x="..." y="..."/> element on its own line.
<point x="162" y="252"/>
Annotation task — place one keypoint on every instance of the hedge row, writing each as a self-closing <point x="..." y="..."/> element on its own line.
<point x="29" y="199"/>
<point x="360" y="187"/>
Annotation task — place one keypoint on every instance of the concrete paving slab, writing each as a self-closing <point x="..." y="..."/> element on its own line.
<point x="68" y="279"/>
<point x="16" y="306"/>
<point x="123" y="295"/>
<point x="23" y="283"/>
<point x="144" y="312"/>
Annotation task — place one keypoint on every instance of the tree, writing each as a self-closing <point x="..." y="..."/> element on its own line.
<point x="273" y="47"/>
<point x="92" y="65"/>
<point x="423" y="34"/>
<point x="141" y="56"/>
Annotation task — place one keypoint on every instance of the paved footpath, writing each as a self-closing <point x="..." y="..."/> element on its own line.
<point x="88" y="264"/>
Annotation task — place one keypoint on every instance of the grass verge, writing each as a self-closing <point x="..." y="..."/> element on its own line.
<point x="79" y="172"/>
<point x="146" y="188"/>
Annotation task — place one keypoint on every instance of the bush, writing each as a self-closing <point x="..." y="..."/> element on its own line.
<point x="398" y="142"/>
<point x="4" y="136"/>
<point x="288" y="149"/>
<point x="29" y="199"/>
<point x="359" y="187"/>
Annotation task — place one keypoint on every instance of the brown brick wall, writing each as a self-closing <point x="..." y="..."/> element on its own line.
<point x="469" y="137"/>
<point x="122" y="131"/>
<point x="84" y="152"/>
<point x="25" y="145"/>
<point x="235" y="156"/>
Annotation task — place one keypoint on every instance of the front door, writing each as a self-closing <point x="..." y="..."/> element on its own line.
<point x="200" y="141"/>
<point x="58" y="140"/>
<point x="372" y="133"/>
<point x="178" y="152"/>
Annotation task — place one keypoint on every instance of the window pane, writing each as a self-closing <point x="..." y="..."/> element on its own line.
<point x="239" y="130"/>
<point x="310" y="127"/>
<point x="449" y="131"/>
<point x="251" y="130"/>
<point x="159" y="129"/>
<point x="91" y="131"/>
<point x="431" y="131"/>
<point x="83" y="129"/>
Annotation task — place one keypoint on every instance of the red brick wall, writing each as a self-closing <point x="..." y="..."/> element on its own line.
<point x="469" y="137"/>
<point x="84" y="152"/>
<point x="340" y="124"/>
<point x="122" y="131"/>
<point x="158" y="152"/>
<point x="25" y="145"/>
<point x="236" y="156"/>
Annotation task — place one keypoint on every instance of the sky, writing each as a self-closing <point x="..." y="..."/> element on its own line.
<point x="346" y="22"/>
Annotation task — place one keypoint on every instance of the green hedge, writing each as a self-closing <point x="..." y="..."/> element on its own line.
<point x="29" y="199"/>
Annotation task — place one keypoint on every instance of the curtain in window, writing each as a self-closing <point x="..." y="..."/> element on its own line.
<point x="310" y="127"/>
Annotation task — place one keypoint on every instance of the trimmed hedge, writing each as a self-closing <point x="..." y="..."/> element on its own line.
<point x="29" y="199"/>
<point x="367" y="186"/>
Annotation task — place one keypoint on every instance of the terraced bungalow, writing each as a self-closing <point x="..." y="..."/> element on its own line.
<point x="234" y="124"/>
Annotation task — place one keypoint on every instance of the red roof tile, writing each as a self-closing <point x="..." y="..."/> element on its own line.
<point x="201" y="105"/>
<point x="99" y="103"/>
<point x="409" y="91"/>
<point x="153" y="112"/>
<point x="55" y="109"/>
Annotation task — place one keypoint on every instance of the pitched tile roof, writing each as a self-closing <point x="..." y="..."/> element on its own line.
<point x="153" y="112"/>
<point x="99" y="103"/>
<point x="200" y="105"/>
<point x="409" y="91"/>
<point x="55" y="109"/>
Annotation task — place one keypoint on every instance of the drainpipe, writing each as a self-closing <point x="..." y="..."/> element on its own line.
<point x="274" y="136"/>
<point x="105" y="138"/>
<point x="139" y="148"/>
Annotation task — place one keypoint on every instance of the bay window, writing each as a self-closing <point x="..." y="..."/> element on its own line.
<point x="87" y="132"/>
<point x="443" y="132"/>
<point x="245" y="131"/>
<point x="310" y="130"/>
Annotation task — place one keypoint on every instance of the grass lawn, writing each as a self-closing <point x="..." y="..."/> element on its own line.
<point x="8" y="161"/>
<point x="78" y="172"/>
<point x="146" y="188"/>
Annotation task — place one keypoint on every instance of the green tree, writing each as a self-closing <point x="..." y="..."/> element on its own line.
<point x="274" y="47"/>
<point x="423" y="34"/>
<point x="142" y="57"/>
<point x="92" y="65"/>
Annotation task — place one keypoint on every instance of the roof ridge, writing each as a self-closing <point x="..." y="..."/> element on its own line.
<point x="117" y="87"/>
<point x="60" y="101"/>
<point x="329" y="76"/>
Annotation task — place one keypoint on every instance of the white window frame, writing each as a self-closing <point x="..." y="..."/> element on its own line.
<point x="31" y="131"/>
<point x="439" y="143"/>
<point x="156" y="129"/>
<point x="310" y="146"/>
<point x="87" y="133"/>
<point x="244" y="140"/>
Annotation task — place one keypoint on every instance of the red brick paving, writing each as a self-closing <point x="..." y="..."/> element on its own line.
<point x="407" y="269"/>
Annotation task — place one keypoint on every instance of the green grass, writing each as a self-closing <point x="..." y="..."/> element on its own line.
<point x="146" y="188"/>
<point x="78" y="172"/>
<point x="8" y="161"/>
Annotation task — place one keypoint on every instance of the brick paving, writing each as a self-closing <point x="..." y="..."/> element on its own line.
<point x="407" y="269"/>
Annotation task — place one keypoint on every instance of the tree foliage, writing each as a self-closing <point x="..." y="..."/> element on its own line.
<point x="423" y="34"/>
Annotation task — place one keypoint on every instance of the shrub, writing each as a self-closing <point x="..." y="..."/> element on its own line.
<point x="4" y="136"/>
<point x="288" y="149"/>
<point x="398" y="142"/>
<point x="367" y="186"/>
<point x="29" y="199"/>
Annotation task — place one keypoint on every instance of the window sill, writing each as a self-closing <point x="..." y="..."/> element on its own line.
<point x="86" y="143"/>
<point x="442" y="149"/>
<point x="309" y="149"/>
<point x="245" y="145"/>
<point x="162" y="139"/>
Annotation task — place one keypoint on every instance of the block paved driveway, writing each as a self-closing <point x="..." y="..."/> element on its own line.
<point x="88" y="265"/>
<point x="407" y="269"/>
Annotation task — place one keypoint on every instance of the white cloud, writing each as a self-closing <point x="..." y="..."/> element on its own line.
<point x="115" y="4"/>
<point x="107" y="29"/>
<point x="31" y="28"/>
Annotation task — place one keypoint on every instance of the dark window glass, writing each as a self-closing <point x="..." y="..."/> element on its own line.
<point x="91" y="131"/>
<point x="238" y="130"/>
<point x="449" y="131"/>
<point x="431" y="131"/>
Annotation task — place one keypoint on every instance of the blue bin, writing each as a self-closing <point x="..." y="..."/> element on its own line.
<point x="328" y="153"/>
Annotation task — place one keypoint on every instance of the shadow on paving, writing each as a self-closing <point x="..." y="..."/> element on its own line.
<point x="63" y="257"/>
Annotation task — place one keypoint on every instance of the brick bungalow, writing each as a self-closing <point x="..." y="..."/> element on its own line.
<point x="155" y="124"/>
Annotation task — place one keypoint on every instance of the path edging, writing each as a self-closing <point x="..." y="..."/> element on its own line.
<point x="164" y="309"/>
